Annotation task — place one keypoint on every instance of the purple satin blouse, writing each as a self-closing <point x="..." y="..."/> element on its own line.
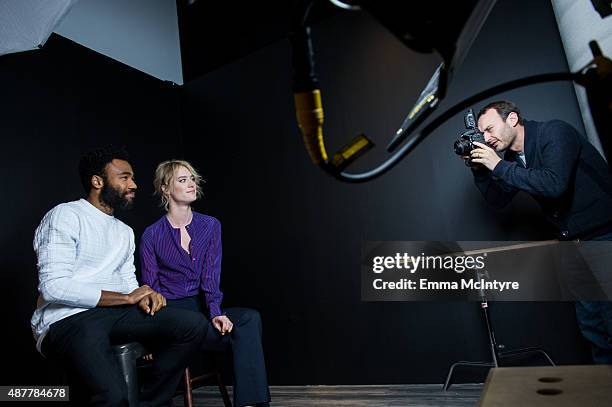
<point x="171" y="271"/>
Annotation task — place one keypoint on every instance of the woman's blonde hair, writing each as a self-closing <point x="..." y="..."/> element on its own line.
<point x="164" y="175"/>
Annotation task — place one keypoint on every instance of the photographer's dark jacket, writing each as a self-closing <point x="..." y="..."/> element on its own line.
<point x="564" y="173"/>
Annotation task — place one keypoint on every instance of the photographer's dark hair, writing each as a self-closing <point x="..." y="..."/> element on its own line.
<point x="504" y="108"/>
<point x="94" y="162"/>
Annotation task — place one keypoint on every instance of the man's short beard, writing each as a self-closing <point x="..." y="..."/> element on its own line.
<point x="508" y="136"/>
<point x="113" y="198"/>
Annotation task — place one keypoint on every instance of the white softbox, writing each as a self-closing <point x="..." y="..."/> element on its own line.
<point x="27" y="24"/>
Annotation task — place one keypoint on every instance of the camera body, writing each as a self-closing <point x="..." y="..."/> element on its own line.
<point x="465" y="144"/>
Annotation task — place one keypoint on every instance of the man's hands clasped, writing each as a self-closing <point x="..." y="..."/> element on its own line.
<point x="138" y="294"/>
<point x="152" y="303"/>
<point x="147" y="299"/>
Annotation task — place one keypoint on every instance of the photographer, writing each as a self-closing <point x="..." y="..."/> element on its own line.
<point x="565" y="174"/>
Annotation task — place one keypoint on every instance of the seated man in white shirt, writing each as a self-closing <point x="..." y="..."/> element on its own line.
<point x="89" y="295"/>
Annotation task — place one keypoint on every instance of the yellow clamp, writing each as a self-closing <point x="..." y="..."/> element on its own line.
<point x="309" y="114"/>
<point x="351" y="151"/>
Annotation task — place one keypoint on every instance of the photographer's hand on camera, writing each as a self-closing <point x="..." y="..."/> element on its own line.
<point x="485" y="156"/>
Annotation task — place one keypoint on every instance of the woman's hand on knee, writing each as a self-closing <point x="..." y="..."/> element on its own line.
<point x="223" y="324"/>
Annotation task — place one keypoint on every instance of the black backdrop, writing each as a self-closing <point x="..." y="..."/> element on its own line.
<point x="291" y="233"/>
<point x="58" y="103"/>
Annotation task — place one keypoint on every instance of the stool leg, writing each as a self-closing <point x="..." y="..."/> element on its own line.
<point x="188" y="398"/>
<point x="127" y="362"/>
<point x="223" y="390"/>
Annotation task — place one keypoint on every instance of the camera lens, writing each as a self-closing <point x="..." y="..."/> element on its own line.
<point x="463" y="147"/>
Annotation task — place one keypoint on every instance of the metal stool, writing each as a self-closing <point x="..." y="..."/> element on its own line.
<point x="126" y="355"/>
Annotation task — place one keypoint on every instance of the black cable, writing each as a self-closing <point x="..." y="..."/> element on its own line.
<point x="419" y="136"/>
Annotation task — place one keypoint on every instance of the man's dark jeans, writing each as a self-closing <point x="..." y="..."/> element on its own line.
<point x="82" y="343"/>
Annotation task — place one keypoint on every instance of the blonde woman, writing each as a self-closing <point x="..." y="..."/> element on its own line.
<point x="181" y="259"/>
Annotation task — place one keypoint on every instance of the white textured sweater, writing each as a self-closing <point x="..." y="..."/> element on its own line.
<point x="81" y="251"/>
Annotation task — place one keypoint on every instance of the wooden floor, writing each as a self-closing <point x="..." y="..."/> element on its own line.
<point x="421" y="395"/>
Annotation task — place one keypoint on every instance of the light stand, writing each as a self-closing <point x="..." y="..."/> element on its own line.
<point x="496" y="349"/>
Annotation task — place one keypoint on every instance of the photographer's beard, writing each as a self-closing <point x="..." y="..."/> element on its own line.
<point x="114" y="198"/>
<point x="505" y="139"/>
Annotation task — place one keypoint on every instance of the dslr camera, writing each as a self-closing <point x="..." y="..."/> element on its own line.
<point x="465" y="144"/>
